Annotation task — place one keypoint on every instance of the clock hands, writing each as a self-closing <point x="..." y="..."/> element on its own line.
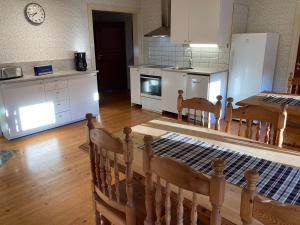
<point x="33" y="14"/>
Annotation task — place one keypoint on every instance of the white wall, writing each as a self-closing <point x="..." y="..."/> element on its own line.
<point x="64" y="31"/>
<point x="275" y="16"/>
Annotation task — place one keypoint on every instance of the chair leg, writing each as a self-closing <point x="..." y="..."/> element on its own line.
<point x="105" y="221"/>
<point x="97" y="218"/>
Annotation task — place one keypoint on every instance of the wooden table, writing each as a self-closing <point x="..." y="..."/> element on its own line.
<point x="257" y="100"/>
<point x="292" y="134"/>
<point x="231" y="207"/>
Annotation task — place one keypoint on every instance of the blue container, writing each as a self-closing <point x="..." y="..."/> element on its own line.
<point x="42" y="70"/>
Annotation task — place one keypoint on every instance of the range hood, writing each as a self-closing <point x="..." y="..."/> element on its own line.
<point x="164" y="30"/>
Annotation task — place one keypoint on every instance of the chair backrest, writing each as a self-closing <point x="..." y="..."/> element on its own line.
<point x="104" y="151"/>
<point x="275" y="122"/>
<point x="266" y="211"/>
<point x="294" y="85"/>
<point x="172" y="172"/>
<point x="203" y="106"/>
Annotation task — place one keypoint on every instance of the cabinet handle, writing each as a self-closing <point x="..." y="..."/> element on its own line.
<point x="57" y="92"/>
<point x="58" y="104"/>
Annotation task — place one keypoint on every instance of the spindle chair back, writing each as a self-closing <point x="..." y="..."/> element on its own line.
<point x="203" y="106"/>
<point x="266" y="211"/>
<point x="170" y="172"/>
<point x="275" y="122"/>
<point x="294" y="85"/>
<point x="104" y="151"/>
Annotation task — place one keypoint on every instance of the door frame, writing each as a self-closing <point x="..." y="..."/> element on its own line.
<point x="137" y="29"/>
<point x="295" y="41"/>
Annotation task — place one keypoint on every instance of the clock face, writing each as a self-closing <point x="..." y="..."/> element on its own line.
<point x="34" y="13"/>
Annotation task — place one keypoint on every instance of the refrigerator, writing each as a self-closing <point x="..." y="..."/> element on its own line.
<point x="252" y="64"/>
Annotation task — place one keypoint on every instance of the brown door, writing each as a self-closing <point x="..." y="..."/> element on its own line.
<point x="297" y="67"/>
<point x="110" y="55"/>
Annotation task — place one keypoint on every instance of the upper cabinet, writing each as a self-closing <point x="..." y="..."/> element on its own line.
<point x="201" y="21"/>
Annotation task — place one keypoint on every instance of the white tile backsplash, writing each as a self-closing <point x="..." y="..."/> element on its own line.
<point x="161" y="51"/>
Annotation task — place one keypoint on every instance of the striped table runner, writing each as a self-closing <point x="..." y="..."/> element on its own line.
<point x="282" y="100"/>
<point x="277" y="181"/>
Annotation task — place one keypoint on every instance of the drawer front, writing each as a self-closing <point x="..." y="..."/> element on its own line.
<point x="62" y="106"/>
<point x="63" y="117"/>
<point x="55" y="84"/>
<point x="57" y="95"/>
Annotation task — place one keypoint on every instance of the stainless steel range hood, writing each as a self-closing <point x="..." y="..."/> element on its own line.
<point x="164" y="30"/>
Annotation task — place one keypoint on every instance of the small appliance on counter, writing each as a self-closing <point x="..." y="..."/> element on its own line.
<point x="12" y="72"/>
<point x="42" y="70"/>
<point x="80" y="61"/>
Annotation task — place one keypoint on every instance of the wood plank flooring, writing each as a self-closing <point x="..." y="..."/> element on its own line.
<point x="48" y="181"/>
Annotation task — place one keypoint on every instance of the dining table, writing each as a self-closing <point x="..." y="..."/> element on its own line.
<point x="260" y="100"/>
<point x="231" y="208"/>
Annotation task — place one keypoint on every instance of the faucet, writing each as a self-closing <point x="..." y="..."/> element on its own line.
<point x="189" y="49"/>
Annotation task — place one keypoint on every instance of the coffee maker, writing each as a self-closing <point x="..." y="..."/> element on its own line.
<point x="80" y="61"/>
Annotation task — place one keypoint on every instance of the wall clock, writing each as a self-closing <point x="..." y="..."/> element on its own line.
<point x="35" y="13"/>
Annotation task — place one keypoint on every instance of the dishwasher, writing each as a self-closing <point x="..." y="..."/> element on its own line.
<point x="198" y="87"/>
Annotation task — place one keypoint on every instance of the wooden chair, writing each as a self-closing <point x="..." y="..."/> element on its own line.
<point x="202" y="105"/>
<point x="114" y="199"/>
<point x="266" y="211"/>
<point x="171" y="172"/>
<point x="275" y="122"/>
<point x="294" y="85"/>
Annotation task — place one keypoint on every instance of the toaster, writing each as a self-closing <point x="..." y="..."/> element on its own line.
<point x="12" y="72"/>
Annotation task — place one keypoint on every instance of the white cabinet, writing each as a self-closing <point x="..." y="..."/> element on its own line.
<point x="84" y="96"/>
<point x="171" y="83"/>
<point x="27" y="107"/>
<point x="179" y="21"/>
<point x="201" y="21"/>
<point x="135" y="88"/>
<point x="22" y="108"/>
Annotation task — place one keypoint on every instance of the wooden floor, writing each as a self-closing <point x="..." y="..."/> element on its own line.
<point x="48" y="181"/>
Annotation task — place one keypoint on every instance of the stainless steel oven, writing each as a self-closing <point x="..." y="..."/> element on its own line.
<point x="151" y="86"/>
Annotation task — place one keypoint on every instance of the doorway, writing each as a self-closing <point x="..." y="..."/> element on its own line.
<point x="113" y="38"/>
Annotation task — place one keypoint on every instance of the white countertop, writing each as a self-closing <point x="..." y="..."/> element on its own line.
<point x="195" y="70"/>
<point x="199" y="70"/>
<point x="30" y="77"/>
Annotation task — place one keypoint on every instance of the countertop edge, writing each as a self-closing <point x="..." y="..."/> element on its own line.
<point x="49" y="76"/>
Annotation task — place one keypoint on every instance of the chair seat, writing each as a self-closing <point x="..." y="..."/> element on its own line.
<point x="117" y="217"/>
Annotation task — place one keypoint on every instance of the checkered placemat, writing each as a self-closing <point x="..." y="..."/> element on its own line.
<point x="282" y="100"/>
<point x="277" y="181"/>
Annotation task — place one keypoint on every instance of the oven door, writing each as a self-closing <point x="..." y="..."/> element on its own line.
<point x="151" y="86"/>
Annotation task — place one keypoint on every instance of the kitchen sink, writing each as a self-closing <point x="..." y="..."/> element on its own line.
<point x="182" y="68"/>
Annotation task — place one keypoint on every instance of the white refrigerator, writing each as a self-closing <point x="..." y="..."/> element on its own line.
<point x="252" y="64"/>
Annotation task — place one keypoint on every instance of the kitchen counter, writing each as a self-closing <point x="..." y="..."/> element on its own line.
<point x="47" y="76"/>
<point x="195" y="70"/>
<point x="198" y="70"/>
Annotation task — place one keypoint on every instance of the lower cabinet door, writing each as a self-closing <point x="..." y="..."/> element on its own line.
<point x="171" y="83"/>
<point x="84" y="97"/>
<point x="63" y="117"/>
